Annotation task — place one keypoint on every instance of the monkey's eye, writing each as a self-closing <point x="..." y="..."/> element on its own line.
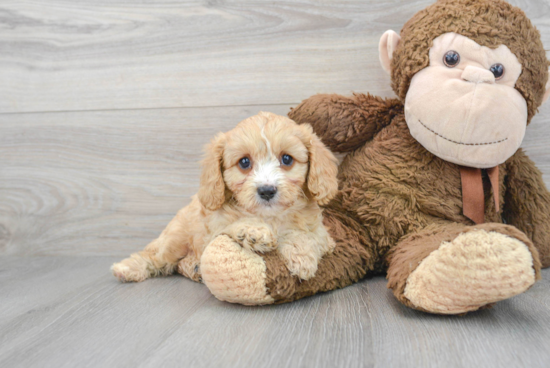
<point x="244" y="163"/>
<point x="451" y="59"/>
<point x="497" y="70"/>
<point x="287" y="160"/>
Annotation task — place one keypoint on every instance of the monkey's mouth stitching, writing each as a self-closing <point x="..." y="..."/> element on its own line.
<point x="462" y="143"/>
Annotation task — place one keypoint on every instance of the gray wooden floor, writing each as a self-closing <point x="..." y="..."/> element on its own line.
<point x="104" y="106"/>
<point x="67" y="311"/>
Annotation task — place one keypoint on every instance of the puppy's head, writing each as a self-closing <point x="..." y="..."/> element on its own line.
<point x="267" y="163"/>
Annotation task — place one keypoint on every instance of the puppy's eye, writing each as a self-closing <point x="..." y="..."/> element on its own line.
<point x="244" y="163"/>
<point x="287" y="160"/>
<point x="451" y="59"/>
<point x="497" y="70"/>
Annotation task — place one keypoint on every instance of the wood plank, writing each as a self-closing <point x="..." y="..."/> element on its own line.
<point x="85" y="318"/>
<point x="93" y="321"/>
<point x="27" y="285"/>
<point x="107" y="182"/>
<point x="330" y="330"/>
<point x="65" y="55"/>
<point x="105" y="323"/>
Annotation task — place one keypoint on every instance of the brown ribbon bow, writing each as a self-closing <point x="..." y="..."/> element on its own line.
<point x="473" y="198"/>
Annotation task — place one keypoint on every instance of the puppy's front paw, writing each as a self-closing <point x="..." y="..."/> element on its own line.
<point x="259" y="238"/>
<point x="299" y="263"/>
<point x="129" y="270"/>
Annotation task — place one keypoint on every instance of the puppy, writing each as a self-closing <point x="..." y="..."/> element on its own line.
<point x="261" y="184"/>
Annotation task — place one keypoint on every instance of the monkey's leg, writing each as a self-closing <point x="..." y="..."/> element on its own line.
<point x="238" y="275"/>
<point x="453" y="268"/>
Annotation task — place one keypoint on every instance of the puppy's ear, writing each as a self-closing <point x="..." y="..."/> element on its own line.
<point x="212" y="190"/>
<point x="323" y="168"/>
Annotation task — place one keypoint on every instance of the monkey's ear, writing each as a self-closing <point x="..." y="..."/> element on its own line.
<point x="212" y="190"/>
<point x="386" y="47"/>
<point x="547" y="93"/>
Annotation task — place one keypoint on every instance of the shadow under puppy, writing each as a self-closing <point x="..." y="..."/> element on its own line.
<point x="261" y="185"/>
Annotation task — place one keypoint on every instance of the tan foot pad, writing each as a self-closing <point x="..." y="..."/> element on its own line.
<point x="475" y="269"/>
<point x="234" y="274"/>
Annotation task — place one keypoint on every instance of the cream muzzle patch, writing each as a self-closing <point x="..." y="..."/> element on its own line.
<point x="462" y="113"/>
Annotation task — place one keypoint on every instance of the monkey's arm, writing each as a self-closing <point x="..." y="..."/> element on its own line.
<point x="527" y="203"/>
<point x="345" y="123"/>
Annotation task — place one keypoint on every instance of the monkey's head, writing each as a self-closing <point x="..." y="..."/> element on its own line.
<point x="472" y="74"/>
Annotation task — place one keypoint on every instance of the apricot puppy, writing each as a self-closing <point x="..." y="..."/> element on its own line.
<point x="261" y="184"/>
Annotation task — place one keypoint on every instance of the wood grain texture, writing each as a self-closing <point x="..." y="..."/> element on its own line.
<point x="70" y="312"/>
<point x="65" y="55"/>
<point x="107" y="182"/>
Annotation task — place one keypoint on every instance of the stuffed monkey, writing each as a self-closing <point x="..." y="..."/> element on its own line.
<point x="434" y="189"/>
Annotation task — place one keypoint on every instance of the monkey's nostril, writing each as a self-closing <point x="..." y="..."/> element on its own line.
<point x="267" y="192"/>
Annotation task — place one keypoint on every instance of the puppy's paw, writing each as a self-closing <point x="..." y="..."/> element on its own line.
<point x="299" y="263"/>
<point x="190" y="267"/>
<point x="130" y="270"/>
<point x="259" y="238"/>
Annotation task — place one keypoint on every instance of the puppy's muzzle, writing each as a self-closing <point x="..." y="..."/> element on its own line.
<point x="267" y="192"/>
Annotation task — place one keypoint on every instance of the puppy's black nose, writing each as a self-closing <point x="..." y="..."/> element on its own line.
<point x="267" y="192"/>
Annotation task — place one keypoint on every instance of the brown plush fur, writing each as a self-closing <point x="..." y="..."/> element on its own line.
<point x="391" y="191"/>
<point x="368" y="113"/>
<point x="346" y="264"/>
<point x="397" y="202"/>
<point x="528" y="203"/>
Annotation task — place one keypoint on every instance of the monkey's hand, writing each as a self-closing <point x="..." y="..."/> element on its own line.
<point x="346" y="123"/>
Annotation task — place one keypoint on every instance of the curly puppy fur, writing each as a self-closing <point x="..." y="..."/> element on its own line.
<point x="229" y="202"/>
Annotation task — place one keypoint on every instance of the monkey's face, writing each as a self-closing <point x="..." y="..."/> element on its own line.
<point x="463" y="107"/>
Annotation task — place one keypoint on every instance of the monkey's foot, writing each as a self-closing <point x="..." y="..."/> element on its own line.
<point x="233" y="273"/>
<point x="475" y="269"/>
